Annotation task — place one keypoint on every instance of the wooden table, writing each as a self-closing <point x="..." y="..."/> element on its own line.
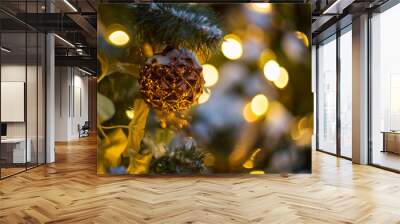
<point x="13" y="150"/>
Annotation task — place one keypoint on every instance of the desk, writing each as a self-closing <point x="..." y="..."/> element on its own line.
<point x="391" y="141"/>
<point x="15" y="148"/>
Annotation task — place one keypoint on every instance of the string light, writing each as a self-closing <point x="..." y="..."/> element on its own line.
<point x="210" y="74"/>
<point x="130" y="114"/>
<point x="204" y="97"/>
<point x="261" y="7"/>
<point x="265" y="56"/>
<point x="301" y="36"/>
<point x="272" y="70"/>
<point x="283" y="78"/>
<point x="257" y="172"/>
<point x="232" y="47"/>
<point x="119" y="38"/>
<point x="248" y="114"/>
<point x="259" y="104"/>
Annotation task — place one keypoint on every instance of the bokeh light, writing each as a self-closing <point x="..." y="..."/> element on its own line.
<point x="204" y="96"/>
<point x="148" y="50"/>
<point x="257" y="172"/>
<point x="259" y="104"/>
<point x="232" y="47"/>
<point x="210" y="74"/>
<point x="272" y="70"/>
<point x="265" y="56"/>
<point x="301" y="36"/>
<point x="302" y="130"/>
<point x="130" y="113"/>
<point x="248" y="114"/>
<point x="261" y="7"/>
<point x="283" y="78"/>
<point x="249" y="164"/>
<point x="119" y="38"/>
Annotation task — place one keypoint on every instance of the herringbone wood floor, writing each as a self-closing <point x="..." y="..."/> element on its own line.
<point x="70" y="192"/>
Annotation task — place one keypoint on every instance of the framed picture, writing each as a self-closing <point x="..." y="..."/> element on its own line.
<point x="203" y="89"/>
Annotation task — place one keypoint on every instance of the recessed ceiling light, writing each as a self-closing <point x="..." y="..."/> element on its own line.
<point x="64" y="40"/>
<point x="84" y="71"/>
<point x="5" y="50"/>
<point x="70" y="5"/>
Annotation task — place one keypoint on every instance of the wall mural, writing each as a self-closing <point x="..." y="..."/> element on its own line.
<point x="201" y="89"/>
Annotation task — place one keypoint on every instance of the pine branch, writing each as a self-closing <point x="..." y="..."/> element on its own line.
<point x="179" y="25"/>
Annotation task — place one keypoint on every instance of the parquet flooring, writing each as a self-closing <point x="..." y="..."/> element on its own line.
<point x="69" y="191"/>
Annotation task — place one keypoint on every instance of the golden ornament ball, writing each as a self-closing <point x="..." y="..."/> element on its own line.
<point x="172" y="81"/>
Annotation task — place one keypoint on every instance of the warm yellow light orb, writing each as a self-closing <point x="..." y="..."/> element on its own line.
<point x="259" y="104"/>
<point x="129" y="114"/>
<point x="231" y="47"/>
<point x="204" y="97"/>
<point x="249" y="164"/>
<point x="283" y="79"/>
<point x="257" y="172"/>
<point x="301" y="36"/>
<point x="248" y="115"/>
<point x="210" y="74"/>
<point x="119" y="38"/>
<point x="265" y="56"/>
<point x="261" y="7"/>
<point x="272" y="70"/>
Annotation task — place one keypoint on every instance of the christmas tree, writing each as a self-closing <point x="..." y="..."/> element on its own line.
<point x="204" y="88"/>
<point x="151" y="48"/>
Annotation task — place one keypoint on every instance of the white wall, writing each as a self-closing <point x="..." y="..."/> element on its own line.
<point x="13" y="73"/>
<point x="71" y="102"/>
<point x="33" y="127"/>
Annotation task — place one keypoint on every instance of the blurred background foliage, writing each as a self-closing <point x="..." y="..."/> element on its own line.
<point x="255" y="115"/>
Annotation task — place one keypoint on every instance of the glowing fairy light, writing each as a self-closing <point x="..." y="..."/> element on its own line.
<point x="248" y="114"/>
<point x="265" y="56"/>
<point x="148" y="50"/>
<point x="272" y="70"/>
<point x="283" y="78"/>
<point x="210" y="74"/>
<point x="301" y="36"/>
<point x="118" y="38"/>
<point x="257" y="172"/>
<point x="249" y="164"/>
<point x="259" y="104"/>
<point x="232" y="47"/>
<point x="261" y="7"/>
<point x="129" y="114"/>
<point x="204" y="97"/>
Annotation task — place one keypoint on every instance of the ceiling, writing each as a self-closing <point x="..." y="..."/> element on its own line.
<point x="75" y="22"/>
<point x="329" y="16"/>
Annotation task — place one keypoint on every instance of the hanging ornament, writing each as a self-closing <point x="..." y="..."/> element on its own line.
<point x="172" y="81"/>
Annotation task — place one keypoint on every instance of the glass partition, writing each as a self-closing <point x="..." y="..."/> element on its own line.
<point x="385" y="89"/>
<point x="22" y="88"/>
<point x="327" y="96"/>
<point x="13" y="94"/>
<point x="346" y="93"/>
